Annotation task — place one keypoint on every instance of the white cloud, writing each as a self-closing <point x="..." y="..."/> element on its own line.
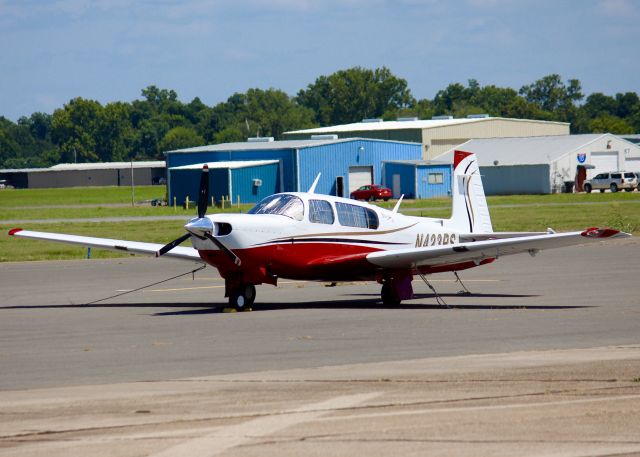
<point x="620" y="8"/>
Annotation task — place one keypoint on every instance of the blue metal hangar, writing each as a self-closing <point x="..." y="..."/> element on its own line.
<point x="261" y="166"/>
<point x="418" y="178"/>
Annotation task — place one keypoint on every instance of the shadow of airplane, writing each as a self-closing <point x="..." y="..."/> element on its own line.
<point x="197" y="308"/>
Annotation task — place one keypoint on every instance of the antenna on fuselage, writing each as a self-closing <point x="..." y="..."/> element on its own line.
<point x="312" y="189"/>
<point x="397" y="207"/>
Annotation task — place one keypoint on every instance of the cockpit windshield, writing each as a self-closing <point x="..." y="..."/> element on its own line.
<point x="281" y="204"/>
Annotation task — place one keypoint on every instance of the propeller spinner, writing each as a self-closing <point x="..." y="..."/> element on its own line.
<point x="201" y="227"/>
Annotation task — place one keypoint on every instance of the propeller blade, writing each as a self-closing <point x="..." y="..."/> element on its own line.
<point x="166" y="248"/>
<point x="224" y="249"/>
<point x="203" y="195"/>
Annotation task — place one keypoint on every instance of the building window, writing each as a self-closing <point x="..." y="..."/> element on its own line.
<point x="320" y="212"/>
<point x="436" y="178"/>
<point x="356" y="216"/>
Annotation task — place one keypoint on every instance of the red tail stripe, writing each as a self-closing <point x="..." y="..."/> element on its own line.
<point x="459" y="156"/>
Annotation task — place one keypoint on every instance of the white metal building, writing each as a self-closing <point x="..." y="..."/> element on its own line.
<point x="440" y="134"/>
<point x="540" y="165"/>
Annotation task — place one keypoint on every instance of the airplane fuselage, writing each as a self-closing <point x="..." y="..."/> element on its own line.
<point x="332" y="247"/>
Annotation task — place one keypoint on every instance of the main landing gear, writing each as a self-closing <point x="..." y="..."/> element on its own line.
<point x="389" y="295"/>
<point x="241" y="297"/>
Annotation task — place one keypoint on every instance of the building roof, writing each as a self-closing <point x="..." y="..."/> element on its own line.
<point x="107" y="165"/>
<point x="89" y="166"/>
<point x="407" y="125"/>
<point x="271" y="145"/>
<point x="524" y="150"/>
<point x="419" y="162"/>
<point x="229" y="164"/>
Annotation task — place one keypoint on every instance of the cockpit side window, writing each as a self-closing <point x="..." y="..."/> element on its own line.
<point x="282" y="205"/>
<point x="356" y="216"/>
<point x="320" y="212"/>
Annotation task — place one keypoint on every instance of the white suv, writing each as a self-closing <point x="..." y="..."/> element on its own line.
<point x="614" y="181"/>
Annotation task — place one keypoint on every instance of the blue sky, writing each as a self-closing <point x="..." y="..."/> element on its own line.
<point x="56" y="50"/>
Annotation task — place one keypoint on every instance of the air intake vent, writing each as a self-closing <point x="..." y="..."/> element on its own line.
<point x="370" y="121"/>
<point x="477" y="116"/>
<point x="261" y="139"/>
<point x="332" y="136"/>
<point x="441" y="118"/>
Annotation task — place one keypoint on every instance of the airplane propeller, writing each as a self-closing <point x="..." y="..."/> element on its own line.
<point x="201" y="226"/>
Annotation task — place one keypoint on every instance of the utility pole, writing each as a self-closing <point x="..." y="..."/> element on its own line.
<point x="133" y="189"/>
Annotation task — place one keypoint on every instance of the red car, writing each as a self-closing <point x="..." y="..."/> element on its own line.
<point x="372" y="192"/>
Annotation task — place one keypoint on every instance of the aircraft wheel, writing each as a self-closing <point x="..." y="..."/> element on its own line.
<point x="243" y="297"/>
<point x="602" y="191"/>
<point x="629" y="189"/>
<point x="388" y="295"/>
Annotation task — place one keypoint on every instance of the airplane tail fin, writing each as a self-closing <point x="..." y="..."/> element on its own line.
<point x="470" y="212"/>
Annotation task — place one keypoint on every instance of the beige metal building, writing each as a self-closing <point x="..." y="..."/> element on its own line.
<point x="542" y="165"/>
<point x="87" y="174"/>
<point x="440" y="134"/>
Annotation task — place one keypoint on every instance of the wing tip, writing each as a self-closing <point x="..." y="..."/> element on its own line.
<point x="597" y="232"/>
<point x="13" y="231"/>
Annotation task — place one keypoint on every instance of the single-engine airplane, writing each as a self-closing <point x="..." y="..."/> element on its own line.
<point x="308" y="236"/>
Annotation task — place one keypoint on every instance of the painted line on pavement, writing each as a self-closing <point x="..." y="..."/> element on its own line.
<point x="225" y="438"/>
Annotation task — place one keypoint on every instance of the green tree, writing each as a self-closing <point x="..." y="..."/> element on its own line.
<point x="606" y="123"/>
<point x="552" y="95"/>
<point x="354" y="94"/>
<point x="74" y="130"/>
<point x="256" y="113"/>
<point x="179" y="138"/>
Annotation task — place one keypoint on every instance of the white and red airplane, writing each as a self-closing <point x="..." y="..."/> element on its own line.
<point x="308" y="236"/>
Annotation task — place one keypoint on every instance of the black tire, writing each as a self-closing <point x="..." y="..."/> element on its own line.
<point x="388" y="295"/>
<point x="386" y="199"/>
<point x="243" y="297"/>
<point x="602" y="191"/>
<point x="587" y="188"/>
<point x="614" y="187"/>
<point x="629" y="189"/>
<point x="372" y="198"/>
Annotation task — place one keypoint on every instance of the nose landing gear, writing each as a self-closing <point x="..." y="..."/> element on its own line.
<point x="242" y="297"/>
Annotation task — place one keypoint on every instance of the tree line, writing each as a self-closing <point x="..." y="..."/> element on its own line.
<point x="86" y="131"/>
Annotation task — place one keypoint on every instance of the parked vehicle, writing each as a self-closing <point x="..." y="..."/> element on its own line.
<point x="372" y="192"/>
<point x="613" y="181"/>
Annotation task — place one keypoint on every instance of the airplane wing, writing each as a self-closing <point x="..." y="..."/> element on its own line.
<point x="488" y="249"/>
<point x="133" y="247"/>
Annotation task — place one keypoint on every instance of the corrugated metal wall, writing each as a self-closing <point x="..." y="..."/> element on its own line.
<point x="410" y="135"/>
<point x="516" y="179"/>
<point x="407" y="173"/>
<point x="335" y="159"/>
<point x="440" y="139"/>
<point x="187" y="182"/>
<point x="90" y="178"/>
<point x="431" y="190"/>
<point x="286" y="156"/>
<point x="242" y="183"/>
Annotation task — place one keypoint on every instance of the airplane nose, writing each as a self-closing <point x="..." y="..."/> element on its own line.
<point x="199" y="226"/>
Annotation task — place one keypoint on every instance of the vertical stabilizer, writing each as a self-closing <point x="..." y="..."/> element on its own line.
<point x="470" y="213"/>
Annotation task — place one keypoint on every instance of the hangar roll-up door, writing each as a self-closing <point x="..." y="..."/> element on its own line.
<point x="604" y="161"/>
<point x="360" y="176"/>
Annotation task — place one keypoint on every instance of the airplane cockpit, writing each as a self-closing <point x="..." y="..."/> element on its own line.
<point x="320" y="211"/>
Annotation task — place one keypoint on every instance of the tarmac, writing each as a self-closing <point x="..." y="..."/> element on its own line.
<point x="542" y="359"/>
<point x="580" y="402"/>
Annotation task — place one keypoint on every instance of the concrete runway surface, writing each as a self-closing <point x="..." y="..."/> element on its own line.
<point x="542" y="359"/>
